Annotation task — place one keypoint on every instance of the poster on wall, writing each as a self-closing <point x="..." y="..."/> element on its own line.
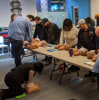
<point x="57" y="5"/>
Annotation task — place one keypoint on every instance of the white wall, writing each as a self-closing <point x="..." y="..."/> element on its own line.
<point x="28" y="7"/>
<point x="94" y="7"/>
<point x="5" y="13"/>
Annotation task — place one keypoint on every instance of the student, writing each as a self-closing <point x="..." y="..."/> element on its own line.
<point x="13" y="16"/>
<point x="69" y="35"/>
<point x="31" y="18"/>
<point x="39" y="30"/>
<point x="86" y="39"/>
<point x="17" y="76"/>
<point x="53" y="35"/>
<point x="89" y="21"/>
<point x="86" y="36"/>
<point x="52" y="31"/>
<point x="96" y="71"/>
<point x="17" y="31"/>
<point x="96" y="66"/>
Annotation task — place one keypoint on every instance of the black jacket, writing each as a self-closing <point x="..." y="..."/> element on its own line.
<point x="90" y="44"/>
<point x="97" y="42"/>
<point x="40" y="32"/>
<point x="53" y="33"/>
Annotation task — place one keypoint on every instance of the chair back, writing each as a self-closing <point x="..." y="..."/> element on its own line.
<point x="1" y="40"/>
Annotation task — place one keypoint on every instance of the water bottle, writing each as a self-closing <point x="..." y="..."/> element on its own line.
<point x="71" y="52"/>
<point x="34" y="58"/>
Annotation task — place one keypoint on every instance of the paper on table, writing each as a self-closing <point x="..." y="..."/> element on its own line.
<point x="90" y="63"/>
<point x="51" y="45"/>
<point x="52" y="50"/>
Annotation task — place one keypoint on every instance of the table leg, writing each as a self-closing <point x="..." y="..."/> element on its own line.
<point x="53" y="70"/>
<point x="77" y="73"/>
<point x="35" y="55"/>
<point x="60" y="80"/>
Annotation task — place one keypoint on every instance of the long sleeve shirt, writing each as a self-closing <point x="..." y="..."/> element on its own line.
<point x="53" y="33"/>
<point x="40" y="32"/>
<point x="20" y="28"/>
<point x="96" y="66"/>
<point x="87" y="39"/>
<point x="70" y="37"/>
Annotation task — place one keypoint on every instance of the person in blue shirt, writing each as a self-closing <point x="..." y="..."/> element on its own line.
<point x="18" y="29"/>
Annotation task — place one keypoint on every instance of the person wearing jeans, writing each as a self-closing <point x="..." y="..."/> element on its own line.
<point x="96" y="71"/>
<point x="17" y="48"/>
<point x="18" y="29"/>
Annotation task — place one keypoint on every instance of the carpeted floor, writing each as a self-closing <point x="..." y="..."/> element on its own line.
<point x="50" y="89"/>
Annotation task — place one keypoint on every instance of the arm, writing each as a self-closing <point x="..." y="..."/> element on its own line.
<point x="79" y="44"/>
<point x="29" y="31"/>
<point x="35" y="33"/>
<point x="30" y="78"/>
<point x="74" y="43"/>
<point x="57" y="31"/>
<point x="31" y="74"/>
<point x="97" y="43"/>
<point x="61" y="37"/>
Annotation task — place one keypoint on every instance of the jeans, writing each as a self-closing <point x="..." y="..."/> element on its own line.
<point x="14" y="88"/>
<point x="17" y="49"/>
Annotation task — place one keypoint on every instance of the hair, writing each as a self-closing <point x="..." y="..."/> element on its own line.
<point x="37" y="18"/>
<point x="12" y="17"/>
<point x="88" y="20"/>
<point x="31" y="16"/>
<point x="38" y="67"/>
<point x="67" y="22"/>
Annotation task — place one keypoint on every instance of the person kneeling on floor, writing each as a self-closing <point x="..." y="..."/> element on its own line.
<point x="17" y="76"/>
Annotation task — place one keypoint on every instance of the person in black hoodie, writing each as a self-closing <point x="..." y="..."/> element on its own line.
<point x="39" y="31"/>
<point x="17" y="76"/>
<point x="86" y="39"/>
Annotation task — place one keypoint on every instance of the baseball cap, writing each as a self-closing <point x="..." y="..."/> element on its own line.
<point x="44" y="20"/>
<point x="81" y="21"/>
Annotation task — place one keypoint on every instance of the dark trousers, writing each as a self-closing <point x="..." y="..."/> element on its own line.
<point x="97" y="75"/>
<point x="49" y="59"/>
<point x="17" y="50"/>
<point x="14" y="88"/>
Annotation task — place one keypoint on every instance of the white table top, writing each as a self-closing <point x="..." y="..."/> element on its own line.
<point x="64" y="55"/>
